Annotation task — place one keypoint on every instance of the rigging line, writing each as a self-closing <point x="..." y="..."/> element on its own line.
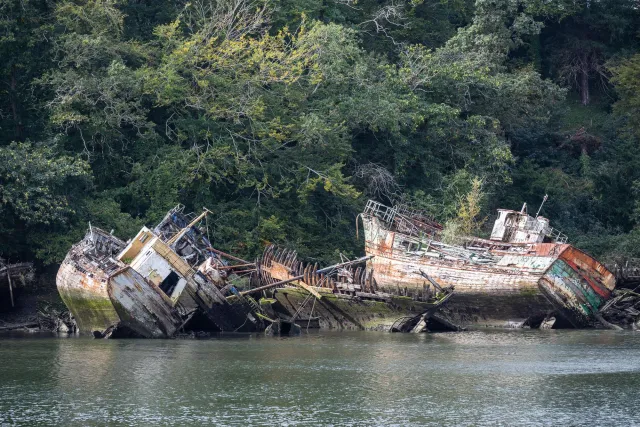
<point x="311" y="314"/>
<point x="304" y="303"/>
<point x="245" y="322"/>
<point x="206" y="222"/>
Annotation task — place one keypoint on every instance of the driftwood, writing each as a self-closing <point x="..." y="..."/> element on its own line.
<point x="605" y="323"/>
<point x="13" y="327"/>
<point x="433" y="282"/>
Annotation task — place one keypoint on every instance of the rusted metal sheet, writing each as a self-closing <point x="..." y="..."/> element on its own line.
<point x="141" y="306"/>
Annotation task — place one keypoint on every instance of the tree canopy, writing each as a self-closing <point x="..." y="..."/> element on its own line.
<point x="284" y="117"/>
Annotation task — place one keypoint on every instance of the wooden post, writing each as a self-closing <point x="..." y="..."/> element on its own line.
<point x="10" y="286"/>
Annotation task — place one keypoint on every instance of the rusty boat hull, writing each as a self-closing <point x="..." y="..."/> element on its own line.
<point x="83" y="281"/>
<point x="508" y="285"/>
<point x="87" y="298"/>
<point x="142" y="307"/>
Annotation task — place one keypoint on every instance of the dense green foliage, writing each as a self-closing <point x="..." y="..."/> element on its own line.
<point x="284" y="117"/>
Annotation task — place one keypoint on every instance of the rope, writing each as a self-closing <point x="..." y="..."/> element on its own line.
<point x="311" y="314"/>
<point x="304" y="303"/>
<point x="245" y="321"/>
<point x="206" y="222"/>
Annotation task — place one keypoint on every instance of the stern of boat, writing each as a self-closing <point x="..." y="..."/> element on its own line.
<point x="578" y="286"/>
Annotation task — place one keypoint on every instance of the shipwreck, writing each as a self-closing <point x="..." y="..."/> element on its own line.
<point x="157" y="284"/>
<point x="523" y="275"/>
<point x="347" y="296"/>
<point x="15" y="275"/>
<point x="170" y="280"/>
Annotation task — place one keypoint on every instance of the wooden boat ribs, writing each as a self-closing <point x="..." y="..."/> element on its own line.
<point x="347" y="294"/>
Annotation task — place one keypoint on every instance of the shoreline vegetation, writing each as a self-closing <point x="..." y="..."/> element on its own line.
<point x="283" y="118"/>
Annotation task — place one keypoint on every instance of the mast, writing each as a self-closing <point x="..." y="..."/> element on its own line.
<point x="546" y="196"/>
<point x="181" y="233"/>
<point x="524" y="208"/>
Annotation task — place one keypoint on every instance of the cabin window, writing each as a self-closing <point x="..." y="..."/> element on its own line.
<point x="143" y="238"/>
<point x="169" y="283"/>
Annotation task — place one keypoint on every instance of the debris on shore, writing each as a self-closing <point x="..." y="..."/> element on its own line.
<point x="16" y="276"/>
<point x="623" y="310"/>
<point x="47" y="319"/>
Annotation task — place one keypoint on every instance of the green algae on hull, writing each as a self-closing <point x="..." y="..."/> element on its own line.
<point x="91" y="311"/>
<point x="82" y="280"/>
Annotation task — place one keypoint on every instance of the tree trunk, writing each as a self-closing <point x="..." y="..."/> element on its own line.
<point x="584" y="88"/>
<point x="10" y="287"/>
<point x="13" y="96"/>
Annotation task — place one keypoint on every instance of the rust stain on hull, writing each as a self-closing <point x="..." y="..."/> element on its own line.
<point x="82" y="281"/>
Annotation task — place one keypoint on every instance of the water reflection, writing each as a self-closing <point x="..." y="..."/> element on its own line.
<point x="478" y="378"/>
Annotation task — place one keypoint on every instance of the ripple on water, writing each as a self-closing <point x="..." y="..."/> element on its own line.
<point x="472" y="378"/>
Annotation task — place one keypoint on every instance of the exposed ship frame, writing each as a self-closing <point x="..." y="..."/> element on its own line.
<point x="347" y="296"/>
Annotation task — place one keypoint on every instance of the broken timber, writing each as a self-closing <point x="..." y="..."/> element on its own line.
<point x="20" y="271"/>
<point x="344" y="297"/>
<point x="153" y="285"/>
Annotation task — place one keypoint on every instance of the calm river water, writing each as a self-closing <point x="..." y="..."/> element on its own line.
<point x="346" y="378"/>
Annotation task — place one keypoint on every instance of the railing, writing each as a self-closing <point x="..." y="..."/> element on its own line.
<point x="403" y="219"/>
<point x="538" y="227"/>
<point x="557" y="235"/>
<point x="385" y="213"/>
